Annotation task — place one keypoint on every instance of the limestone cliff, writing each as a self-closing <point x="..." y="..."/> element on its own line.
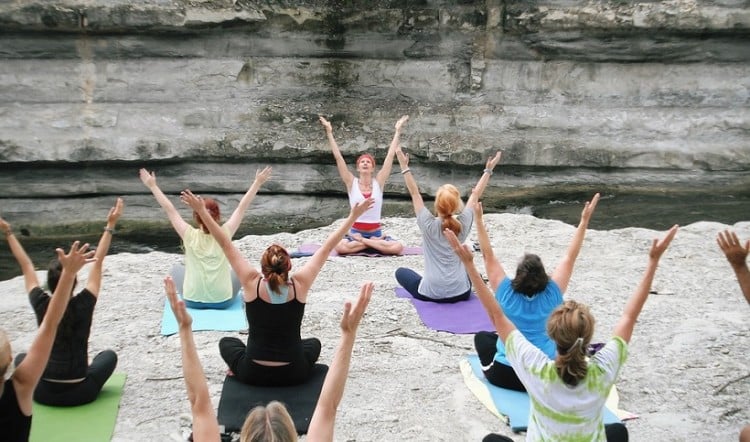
<point x="607" y="85"/>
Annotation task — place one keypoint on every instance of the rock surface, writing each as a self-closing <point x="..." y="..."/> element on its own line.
<point x="682" y="377"/>
<point x="609" y="86"/>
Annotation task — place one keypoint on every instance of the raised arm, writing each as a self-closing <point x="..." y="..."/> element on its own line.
<point x="495" y="270"/>
<point x="385" y="171"/>
<point x="307" y="274"/>
<point x="234" y="221"/>
<point x="205" y="425"/>
<point x="324" y="417"/>
<point x="564" y="269"/>
<point x="29" y="371"/>
<point x="476" y="194"/>
<point x="246" y="273"/>
<point x="502" y="324"/>
<point x="411" y="183"/>
<point x="30" y="279"/>
<point x="179" y="224"/>
<point x="346" y="176"/>
<point x="94" y="282"/>
<point x="624" y="327"/>
<point x="737" y="256"/>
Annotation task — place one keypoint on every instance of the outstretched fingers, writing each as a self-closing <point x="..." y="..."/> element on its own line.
<point x="660" y="245"/>
<point x="493" y="161"/>
<point x="76" y="258"/>
<point x="363" y="206"/>
<point x="353" y="313"/>
<point x="177" y="305"/>
<point x="461" y="250"/>
<point x="590" y="206"/>
<point x="194" y="201"/>
<point x="115" y="212"/>
<point x="262" y="175"/>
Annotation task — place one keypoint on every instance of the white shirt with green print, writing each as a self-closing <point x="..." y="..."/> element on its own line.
<point x="560" y="412"/>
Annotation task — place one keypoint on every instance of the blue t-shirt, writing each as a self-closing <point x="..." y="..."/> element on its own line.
<point x="529" y="314"/>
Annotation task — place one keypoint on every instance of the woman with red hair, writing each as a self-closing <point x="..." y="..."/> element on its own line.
<point x="366" y="233"/>
<point x="206" y="280"/>
<point x="275" y="299"/>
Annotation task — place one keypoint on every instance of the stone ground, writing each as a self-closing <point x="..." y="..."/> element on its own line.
<point x="689" y="346"/>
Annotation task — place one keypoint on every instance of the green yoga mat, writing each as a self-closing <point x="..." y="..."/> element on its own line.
<point x="94" y="422"/>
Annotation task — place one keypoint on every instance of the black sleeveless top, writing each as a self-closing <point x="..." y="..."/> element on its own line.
<point x="274" y="329"/>
<point x="69" y="356"/>
<point x="14" y="424"/>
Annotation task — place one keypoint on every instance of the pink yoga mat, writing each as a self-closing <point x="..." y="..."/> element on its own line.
<point x="462" y="317"/>
<point x="310" y="248"/>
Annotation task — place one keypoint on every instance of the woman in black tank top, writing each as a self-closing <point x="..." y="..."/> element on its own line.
<point x="275" y="353"/>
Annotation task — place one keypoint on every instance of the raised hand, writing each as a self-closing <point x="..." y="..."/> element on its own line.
<point x="353" y="312"/>
<point x="492" y="162"/>
<point x="5" y="226"/>
<point x="148" y="179"/>
<point x="178" y="306"/>
<point x="262" y="175"/>
<point x="401" y="121"/>
<point x="361" y="207"/>
<point x="76" y="258"/>
<point x="403" y="158"/>
<point x="733" y="249"/>
<point x="659" y="246"/>
<point x="115" y="212"/>
<point x="462" y="250"/>
<point x="478" y="212"/>
<point x="194" y="201"/>
<point x="326" y="124"/>
<point x="589" y="207"/>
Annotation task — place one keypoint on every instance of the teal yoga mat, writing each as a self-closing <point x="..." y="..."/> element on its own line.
<point x="94" y="422"/>
<point x="229" y="319"/>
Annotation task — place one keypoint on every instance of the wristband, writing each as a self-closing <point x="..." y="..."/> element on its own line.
<point x="488" y="171"/>
<point x="111" y="231"/>
<point x="407" y="170"/>
<point x="8" y="233"/>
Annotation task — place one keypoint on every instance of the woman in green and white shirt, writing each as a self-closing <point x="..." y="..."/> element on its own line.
<point x="568" y="393"/>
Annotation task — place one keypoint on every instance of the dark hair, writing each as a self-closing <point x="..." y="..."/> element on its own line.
<point x="213" y="209"/>
<point x="54" y="270"/>
<point x="275" y="265"/>
<point x="530" y="276"/>
<point x="571" y="326"/>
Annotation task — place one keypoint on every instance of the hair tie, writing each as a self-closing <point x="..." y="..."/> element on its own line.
<point x="577" y="343"/>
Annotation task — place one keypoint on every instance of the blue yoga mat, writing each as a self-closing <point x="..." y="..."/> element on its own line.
<point x="513" y="405"/>
<point x="229" y="319"/>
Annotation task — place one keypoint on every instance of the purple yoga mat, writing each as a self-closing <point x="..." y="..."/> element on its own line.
<point x="310" y="248"/>
<point x="462" y="317"/>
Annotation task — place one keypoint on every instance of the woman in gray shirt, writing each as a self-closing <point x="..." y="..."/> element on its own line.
<point x="445" y="279"/>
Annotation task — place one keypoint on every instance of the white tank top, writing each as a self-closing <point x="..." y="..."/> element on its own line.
<point x="355" y="196"/>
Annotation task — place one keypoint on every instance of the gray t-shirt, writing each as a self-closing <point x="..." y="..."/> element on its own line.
<point x="444" y="273"/>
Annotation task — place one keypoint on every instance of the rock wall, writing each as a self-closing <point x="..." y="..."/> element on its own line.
<point x="613" y="85"/>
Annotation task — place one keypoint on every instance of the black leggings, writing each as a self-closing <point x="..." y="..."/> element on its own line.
<point x="234" y="353"/>
<point x="69" y="394"/>
<point x="615" y="433"/>
<point x="496" y="373"/>
<point x="409" y="280"/>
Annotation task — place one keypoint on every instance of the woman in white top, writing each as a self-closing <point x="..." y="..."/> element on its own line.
<point x="567" y="393"/>
<point x="366" y="233"/>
